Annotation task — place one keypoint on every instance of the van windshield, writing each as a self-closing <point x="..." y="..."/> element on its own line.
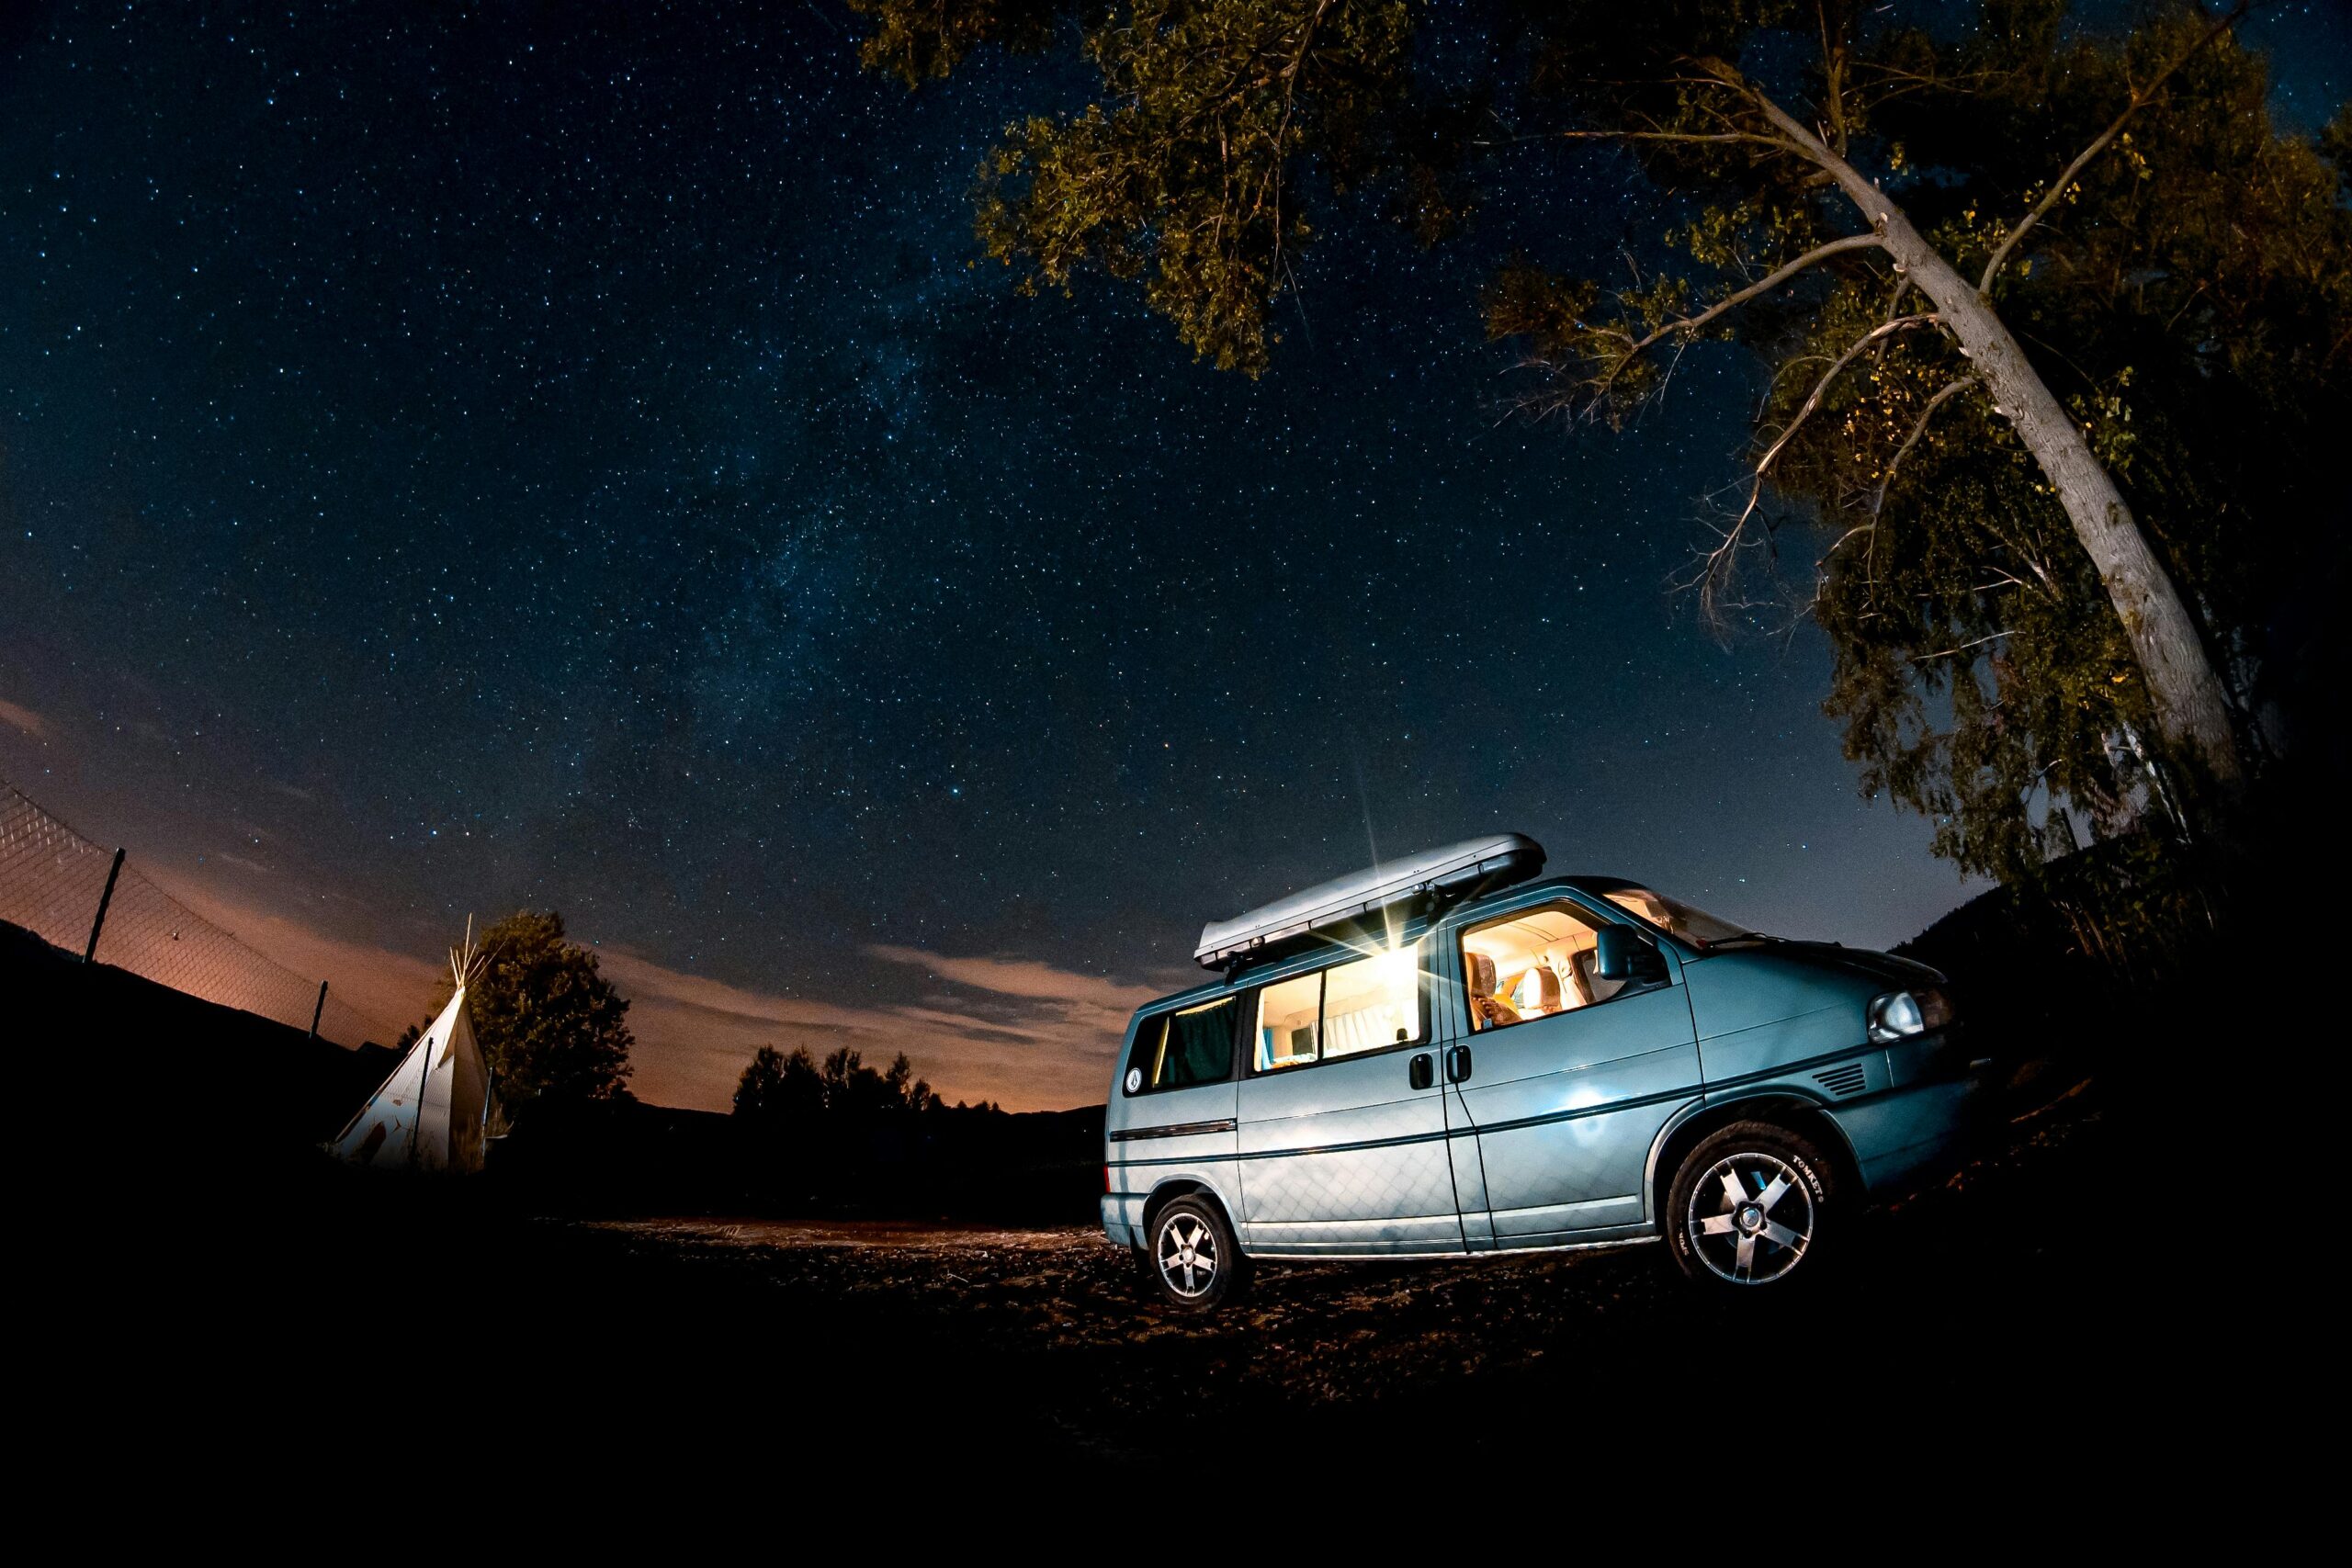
<point x="1692" y="924"/>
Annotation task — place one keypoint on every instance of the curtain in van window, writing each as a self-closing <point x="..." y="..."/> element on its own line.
<point x="1372" y="1003"/>
<point x="1198" y="1047"/>
<point x="1367" y="1028"/>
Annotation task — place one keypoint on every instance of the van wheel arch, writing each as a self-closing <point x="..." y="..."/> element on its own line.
<point x="1794" y="1112"/>
<point x="1178" y="1187"/>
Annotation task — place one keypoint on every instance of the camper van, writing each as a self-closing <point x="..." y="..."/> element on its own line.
<point x="1451" y="1054"/>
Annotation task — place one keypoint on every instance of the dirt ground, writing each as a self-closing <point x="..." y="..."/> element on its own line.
<point x="1949" y="1312"/>
<point x="2005" y="1315"/>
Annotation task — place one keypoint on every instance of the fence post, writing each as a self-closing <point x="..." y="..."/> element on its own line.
<point x="90" y="953"/>
<point x="319" y="1010"/>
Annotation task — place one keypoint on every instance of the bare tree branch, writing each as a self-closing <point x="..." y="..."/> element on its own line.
<point x="1281" y="136"/>
<point x="1795" y="138"/>
<point x="2141" y="98"/>
<point x="1715" y="566"/>
<point x="1636" y="136"/>
<point x="1919" y="428"/>
<point x="1623" y="349"/>
<point x="1878" y="502"/>
<point x="1979" y="642"/>
<point x="1821" y="388"/>
<point x="1833" y="66"/>
<point x="1814" y="257"/>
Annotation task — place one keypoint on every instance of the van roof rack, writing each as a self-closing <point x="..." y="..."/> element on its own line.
<point x="1448" y="875"/>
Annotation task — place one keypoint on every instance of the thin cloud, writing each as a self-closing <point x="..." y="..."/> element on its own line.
<point x="965" y="1023"/>
<point x="645" y="980"/>
<point x="1021" y="977"/>
<point x="1037" y="1037"/>
<point x="24" y="718"/>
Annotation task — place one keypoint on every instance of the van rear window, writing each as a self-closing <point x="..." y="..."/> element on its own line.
<point x="1189" y="1047"/>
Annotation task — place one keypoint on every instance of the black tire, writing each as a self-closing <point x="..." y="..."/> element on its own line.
<point x="1190" y="1259"/>
<point x="1744" y="1245"/>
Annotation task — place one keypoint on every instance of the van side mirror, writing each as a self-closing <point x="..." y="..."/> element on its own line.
<point x="1619" y="954"/>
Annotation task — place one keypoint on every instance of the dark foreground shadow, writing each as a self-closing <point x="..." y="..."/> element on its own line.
<point x="2010" y="1317"/>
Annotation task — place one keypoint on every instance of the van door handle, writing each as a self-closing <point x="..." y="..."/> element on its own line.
<point x="1420" y="1074"/>
<point x="1457" y="1064"/>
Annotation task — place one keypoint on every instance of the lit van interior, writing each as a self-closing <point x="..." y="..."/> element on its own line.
<point x="1531" y="966"/>
<point x="1371" y="1004"/>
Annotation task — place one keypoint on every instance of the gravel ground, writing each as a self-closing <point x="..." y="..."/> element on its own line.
<point x="1953" y="1309"/>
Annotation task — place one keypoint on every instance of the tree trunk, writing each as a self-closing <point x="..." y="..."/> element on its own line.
<point x="2192" y="711"/>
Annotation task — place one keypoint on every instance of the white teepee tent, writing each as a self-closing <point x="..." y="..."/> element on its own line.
<point x="436" y="1108"/>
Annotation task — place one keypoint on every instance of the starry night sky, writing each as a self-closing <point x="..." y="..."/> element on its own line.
<point x="567" y="456"/>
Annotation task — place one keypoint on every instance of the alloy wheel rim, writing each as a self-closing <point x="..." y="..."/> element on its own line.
<point x="1751" y="1218"/>
<point x="1188" y="1259"/>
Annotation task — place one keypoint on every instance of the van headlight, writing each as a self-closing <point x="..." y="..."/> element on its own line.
<point x="1899" y="1015"/>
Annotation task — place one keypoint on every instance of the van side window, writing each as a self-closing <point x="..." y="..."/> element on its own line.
<point x="1192" y="1046"/>
<point x="1289" y="1017"/>
<point x="1531" y="965"/>
<point x="1370" y="1004"/>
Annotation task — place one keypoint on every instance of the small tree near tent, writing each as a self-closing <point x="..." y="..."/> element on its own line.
<point x="552" y="1027"/>
<point x="1899" y="222"/>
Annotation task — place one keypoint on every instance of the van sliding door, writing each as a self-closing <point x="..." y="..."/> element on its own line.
<point x="1342" y="1115"/>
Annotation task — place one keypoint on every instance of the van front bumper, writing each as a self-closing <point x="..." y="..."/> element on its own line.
<point x="1943" y="1105"/>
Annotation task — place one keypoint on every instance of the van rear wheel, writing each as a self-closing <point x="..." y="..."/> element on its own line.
<point x="1191" y="1258"/>
<point x="1746" y="1207"/>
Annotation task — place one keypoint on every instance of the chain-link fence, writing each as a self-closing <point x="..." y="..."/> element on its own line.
<point x="53" y="882"/>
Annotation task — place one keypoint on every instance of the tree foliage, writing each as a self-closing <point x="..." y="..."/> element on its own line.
<point x="920" y="43"/>
<point x="1185" y="177"/>
<point x="552" y="1027"/>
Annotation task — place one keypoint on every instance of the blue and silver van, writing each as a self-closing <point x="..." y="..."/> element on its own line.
<point x="1446" y="1055"/>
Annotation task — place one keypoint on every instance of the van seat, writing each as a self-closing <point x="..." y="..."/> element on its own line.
<point x="1544" y="999"/>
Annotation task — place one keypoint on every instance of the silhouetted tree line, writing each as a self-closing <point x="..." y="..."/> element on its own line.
<point x="837" y="1136"/>
<point x="783" y="1093"/>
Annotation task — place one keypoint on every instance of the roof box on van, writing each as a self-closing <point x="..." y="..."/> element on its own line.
<point x="1457" y="871"/>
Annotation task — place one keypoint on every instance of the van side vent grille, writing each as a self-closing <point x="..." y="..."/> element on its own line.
<point x="1843" y="1081"/>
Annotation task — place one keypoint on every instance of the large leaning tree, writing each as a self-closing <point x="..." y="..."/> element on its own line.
<point x="1996" y="274"/>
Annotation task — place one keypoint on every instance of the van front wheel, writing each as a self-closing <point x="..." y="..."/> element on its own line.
<point x="1191" y="1259"/>
<point x="1746" y="1207"/>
